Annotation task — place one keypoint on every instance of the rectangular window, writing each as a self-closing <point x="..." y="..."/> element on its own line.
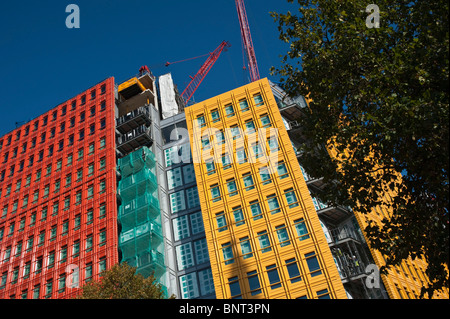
<point x="313" y="264"/>
<point x="265" y="175"/>
<point x="238" y="216"/>
<point x="227" y="253"/>
<point x="257" y="150"/>
<point x="302" y="230"/>
<point x="235" y="288"/>
<point x="210" y="167"/>
<point x="221" y="221"/>
<point x="241" y="155"/>
<point x="323" y="294"/>
<point x="283" y="236"/>
<point x="264" y="241"/>
<point x="229" y="110"/>
<point x="243" y="104"/>
<point x="226" y="162"/>
<point x="282" y="170"/>
<point x="250" y="127"/>
<point x="201" y="121"/>
<point x="215" y="193"/>
<point x="215" y="116"/>
<point x="253" y="282"/>
<point x="274" y="206"/>
<point x="294" y="272"/>
<point x="256" y="210"/>
<point x="246" y="248"/>
<point x="291" y="198"/>
<point x="220" y="137"/>
<point x="235" y="132"/>
<point x="258" y="100"/>
<point x="274" y="278"/>
<point x="248" y="181"/>
<point x="265" y="121"/>
<point x="232" y="188"/>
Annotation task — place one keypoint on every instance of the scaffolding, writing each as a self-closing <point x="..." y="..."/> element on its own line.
<point x="141" y="238"/>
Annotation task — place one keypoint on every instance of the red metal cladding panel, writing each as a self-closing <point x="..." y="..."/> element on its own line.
<point x="58" y="214"/>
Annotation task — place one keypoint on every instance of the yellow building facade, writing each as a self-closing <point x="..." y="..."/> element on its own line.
<point x="264" y="236"/>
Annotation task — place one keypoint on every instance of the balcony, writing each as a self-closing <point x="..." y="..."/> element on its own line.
<point x="134" y="119"/>
<point x="140" y="136"/>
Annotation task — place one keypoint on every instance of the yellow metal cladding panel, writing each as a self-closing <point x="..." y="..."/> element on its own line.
<point x="263" y="233"/>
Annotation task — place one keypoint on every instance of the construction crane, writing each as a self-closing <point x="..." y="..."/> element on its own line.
<point x="201" y="74"/>
<point x="247" y="41"/>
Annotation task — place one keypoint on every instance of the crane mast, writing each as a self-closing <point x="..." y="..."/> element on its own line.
<point x="247" y="41"/>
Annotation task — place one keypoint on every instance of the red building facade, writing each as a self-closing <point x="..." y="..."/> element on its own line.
<point x="58" y="212"/>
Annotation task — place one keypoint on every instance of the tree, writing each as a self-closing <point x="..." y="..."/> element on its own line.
<point x="379" y="96"/>
<point x="122" y="282"/>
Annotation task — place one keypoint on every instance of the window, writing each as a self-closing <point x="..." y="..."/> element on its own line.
<point x="323" y="294"/>
<point x="302" y="230"/>
<point x="88" y="272"/>
<point x="264" y="241"/>
<point x="238" y="216"/>
<point x="215" y="193"/>
<point x="181" y="227"/>
<point x="283" y="236"/>
<point x="235" y="288"/>
<point x="250" y="127"/>
<point x="220" y="137"/>
<point x="197" y="223"/>
<point x="241" y="155"/>
<point x="274" y="278"/>
<point x="253" y="282"/>
<point x="273" y="143"/>
<point x="282" y="170"/>
<point x="313" y="264"/>
<point x="189" y="286"/>
<point x="291" y="198"/>
<point x="226" y="162"/>
<point x="265" y="175"/>
<point x="256" y="210"/>
<point x="248" y="181"/>
<point x="205" y="142"/>
<point x="215" y="116"/>
<point x="274" y="207"/>
<point x="177" y="202"/>
<point x="210" y="167"/>
<point x="235" y="132"/>
<point x="174" y="178"/>
<point x="231" y="186"/>
<point x="201" y="251"/>
<point x="229" y="110"/>
<point x="221" y="221"/>
<point x="258" y="100"/>
<point x="246" y="247"/>
<point x="185" y="256"/>
<point x="201" y="121"/>
<point x="257" y="150"/>
<point x="294" y="273"/>
<point x="227" y="253"/>
<point x="192" y="197"/>
<point x="243" y="104"/>
<point x="265" y="121"/>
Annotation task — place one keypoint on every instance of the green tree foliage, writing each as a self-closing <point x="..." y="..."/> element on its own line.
<point x="382" y="94"/>
<point x="122" y="282"/>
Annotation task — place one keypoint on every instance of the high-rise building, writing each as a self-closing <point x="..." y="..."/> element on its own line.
<point x="264" y="235"/>
<point x="58" y="220"/>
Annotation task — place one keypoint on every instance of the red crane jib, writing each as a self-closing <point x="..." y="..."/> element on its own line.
<point x="201" y="74"/>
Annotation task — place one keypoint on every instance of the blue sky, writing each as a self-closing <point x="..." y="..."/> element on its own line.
<point x="43" y="63"/>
